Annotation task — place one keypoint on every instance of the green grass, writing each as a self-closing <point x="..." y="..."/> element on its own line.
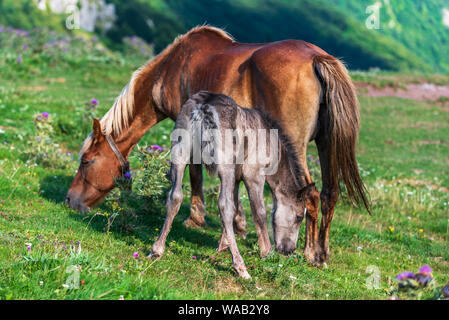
<point x="403" y="153"/>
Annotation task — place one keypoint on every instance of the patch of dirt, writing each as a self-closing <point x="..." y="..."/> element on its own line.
<point x="33" y="88"/>
<point x="58" y="80"/>
<point x="7" y="128"/>
<point x="416" y="183"/>
<point x="422" y="91"/>
<point x="444" y="143"/>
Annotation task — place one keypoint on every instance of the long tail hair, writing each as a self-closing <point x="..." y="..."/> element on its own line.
<point x="340" y="99"/>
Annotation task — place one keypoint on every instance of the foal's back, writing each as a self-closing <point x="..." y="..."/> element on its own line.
<point x="206" y="114"/>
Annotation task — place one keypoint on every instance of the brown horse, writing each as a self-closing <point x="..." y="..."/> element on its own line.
<point x="307" y="90"/>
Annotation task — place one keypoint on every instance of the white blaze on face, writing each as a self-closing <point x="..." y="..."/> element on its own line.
<point x="446" y="17"/>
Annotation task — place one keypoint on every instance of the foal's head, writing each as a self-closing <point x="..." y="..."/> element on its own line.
<point x="288" y="216"/>
<point x="96" y="175"/>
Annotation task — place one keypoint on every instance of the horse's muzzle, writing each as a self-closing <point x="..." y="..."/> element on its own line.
<point x="75" y="203"/>
<point x="286" y="247"/>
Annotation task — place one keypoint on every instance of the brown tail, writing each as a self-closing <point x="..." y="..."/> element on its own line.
<point x="342" y="106"/>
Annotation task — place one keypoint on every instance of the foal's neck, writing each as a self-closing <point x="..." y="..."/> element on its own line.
<point x="289" y="179"/>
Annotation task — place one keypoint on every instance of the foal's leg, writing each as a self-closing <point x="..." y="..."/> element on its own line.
<point x="329" y="197"/>
<point x="255" y="193"/>
<point x="197" y="210"/>
<point x="227" y="210"/>
<point x="239" y="221"/>
<point x="173" y="203"/>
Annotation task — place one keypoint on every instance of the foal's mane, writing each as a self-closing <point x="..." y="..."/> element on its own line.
<point x="286" y="143"/>
<point x="121" y="113"/>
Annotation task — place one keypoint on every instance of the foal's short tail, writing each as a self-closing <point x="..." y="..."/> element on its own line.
<point x="204" y="118"/>
<point x="342" y="107"/>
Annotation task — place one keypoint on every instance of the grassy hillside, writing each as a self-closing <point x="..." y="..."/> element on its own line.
<point x="24" y="14"/>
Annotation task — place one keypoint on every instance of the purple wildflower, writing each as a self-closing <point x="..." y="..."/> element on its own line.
<point x="25" y="47"/>
<point x="19" y="59"/>
<point x="94" y="102"/>
<point x="128" y="175"/>
<point x="45" y="115"/>
<point x="194" y="257"/>
<point x="425" y="269"/>
<point x="405" y="275"/>
<point x="136" y="255"/>
<point x="156" y="147"/>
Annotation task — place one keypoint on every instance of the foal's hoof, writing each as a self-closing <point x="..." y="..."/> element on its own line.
<point x="154" y="255"/>
<point x="243" y="273"/>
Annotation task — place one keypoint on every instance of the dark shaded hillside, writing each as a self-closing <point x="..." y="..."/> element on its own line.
<point x="412" y="35"/>
<point x="315" y="21"/>
<point x="309" y="20"/>
<point x="415" y="23"/>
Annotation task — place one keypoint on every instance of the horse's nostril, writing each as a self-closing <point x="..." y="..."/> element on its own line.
<point x="67" y="200"/>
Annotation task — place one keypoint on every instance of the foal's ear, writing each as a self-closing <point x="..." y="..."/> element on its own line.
<point x="96" y="130"/>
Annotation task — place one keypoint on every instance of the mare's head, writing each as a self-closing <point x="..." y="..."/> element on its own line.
<point x="288" y="216"/>
<point x="96" y="174"/>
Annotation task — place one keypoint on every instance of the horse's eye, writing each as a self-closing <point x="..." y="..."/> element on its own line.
<point x="85" y="163"/>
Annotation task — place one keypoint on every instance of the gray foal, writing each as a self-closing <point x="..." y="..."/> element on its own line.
<point x="206" y="117"/>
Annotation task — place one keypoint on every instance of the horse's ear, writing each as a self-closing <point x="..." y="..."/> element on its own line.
<point x="97" y="132"/>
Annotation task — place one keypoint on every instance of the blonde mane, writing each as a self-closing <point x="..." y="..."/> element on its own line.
<point x="121" y="112"/>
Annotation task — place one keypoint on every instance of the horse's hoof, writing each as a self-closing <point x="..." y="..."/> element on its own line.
<point x="316" y="258"/>
<point x="194" y="224"/>
<point x="241" y="233"/>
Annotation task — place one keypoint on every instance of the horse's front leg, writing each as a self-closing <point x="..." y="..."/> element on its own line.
<point x="197" y="209"/>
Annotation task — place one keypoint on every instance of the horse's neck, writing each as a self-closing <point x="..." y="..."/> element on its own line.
<point x="145" y="113"/>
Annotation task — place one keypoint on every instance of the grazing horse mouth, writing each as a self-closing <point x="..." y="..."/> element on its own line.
<point x="286" y="247"/>
<point x="77" y="205"/>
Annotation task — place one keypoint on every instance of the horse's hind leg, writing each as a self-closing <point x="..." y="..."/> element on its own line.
<point x="328" y="196"/>
<point x="197" y="209"/>
<point x="227" y="210"/>
<point x="173" y="203"/>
